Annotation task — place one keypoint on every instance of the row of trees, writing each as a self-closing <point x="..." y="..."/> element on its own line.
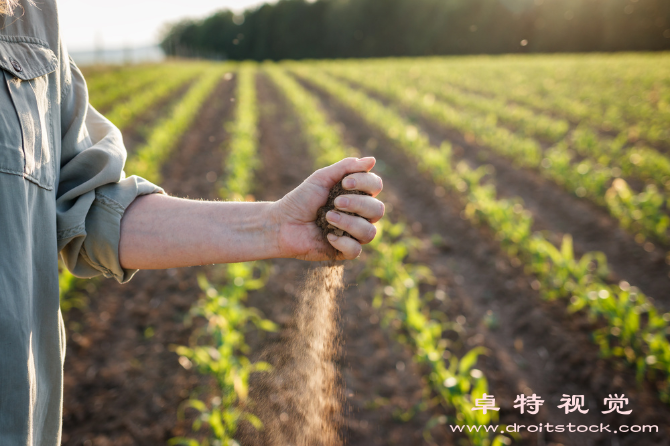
<point x="298" y="29"/>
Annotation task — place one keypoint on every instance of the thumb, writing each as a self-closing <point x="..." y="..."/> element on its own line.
<point x="328" y="177"/>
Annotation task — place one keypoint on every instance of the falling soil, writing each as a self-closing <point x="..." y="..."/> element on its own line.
<point x="321" y="221"/>
<point x="299" y="400"/>
<point x="372" y="386"/>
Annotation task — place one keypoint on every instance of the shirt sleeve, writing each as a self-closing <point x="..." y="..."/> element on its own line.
<point x="93" y="192"/>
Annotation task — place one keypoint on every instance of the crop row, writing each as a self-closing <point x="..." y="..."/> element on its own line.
<point x="98" y="79"/>
<point x="457" y="385"/>
<point x="644" y="213"/>
<point x="521" y="118"/>
<point x="126" y="112"/>
<point x="147" y="159"/>
<point x="104" y="89"/>
<point x="634" y="331"/>
<point x="102" y="97"/>
<point x="631" y="97"/>
<point x="219" y="348"/>
<point x="242" y="157"/>
<point x="631" y="161"/>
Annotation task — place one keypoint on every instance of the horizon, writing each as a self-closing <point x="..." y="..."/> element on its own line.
<point x="142" y="29"/>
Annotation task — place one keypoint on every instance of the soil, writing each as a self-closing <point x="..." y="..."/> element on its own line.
<point x="559" y="212"/>
<point x="535" y="346"/>
<point x="379" y="379"/>
<point x="123" y="384"/>
<point x="321" y="221"/>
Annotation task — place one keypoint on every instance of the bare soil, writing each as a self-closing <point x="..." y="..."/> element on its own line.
<point x="379" y="379"/>
<point x="555" y="210"/>
<point x="536" y="346"/>
<point x="123" y="384"/>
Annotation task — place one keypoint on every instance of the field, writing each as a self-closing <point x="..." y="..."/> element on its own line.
<point x="525" y="249"/>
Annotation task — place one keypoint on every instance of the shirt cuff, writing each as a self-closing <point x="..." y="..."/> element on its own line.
<point x="100" y="250"/>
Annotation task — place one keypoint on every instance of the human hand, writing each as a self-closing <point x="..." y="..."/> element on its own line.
<point x="295" y="214"/>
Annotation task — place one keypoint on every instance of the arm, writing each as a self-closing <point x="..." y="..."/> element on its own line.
<point x="164" y="232"/>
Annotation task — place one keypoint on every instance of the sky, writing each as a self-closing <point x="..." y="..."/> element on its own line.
<point x="130" y="23"/>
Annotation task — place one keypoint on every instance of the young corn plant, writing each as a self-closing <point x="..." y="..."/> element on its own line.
<point x="582" y="281"/>
<point x="456" y="384"/>
<point x="221" y="347"/>
<point x="105" y="96"/>
<point x="220" y="352"/>
<point x="146" y="160"/>
<point x="126" y="112"/>
<point x="587" y="178"/>
<point x="242" y="159"/>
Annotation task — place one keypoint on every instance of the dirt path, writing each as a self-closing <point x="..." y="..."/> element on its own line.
<point x="554" y="209"/>
<point x="380" y="379"/>
<point x="536" y="347"/>
<point x="123" y="385"/>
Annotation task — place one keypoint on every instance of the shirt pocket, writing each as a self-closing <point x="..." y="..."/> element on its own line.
<point x="26" y="133"/>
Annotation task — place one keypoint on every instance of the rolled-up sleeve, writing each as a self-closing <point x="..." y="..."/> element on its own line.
<point x="93" y="192"/>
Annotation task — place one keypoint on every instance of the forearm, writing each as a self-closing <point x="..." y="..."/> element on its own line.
<point x="158" y="232"/>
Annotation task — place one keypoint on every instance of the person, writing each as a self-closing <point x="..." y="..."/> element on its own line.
<point x="63" y="189"/>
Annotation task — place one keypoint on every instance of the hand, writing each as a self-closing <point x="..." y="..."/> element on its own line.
<point x="295" y="214"/>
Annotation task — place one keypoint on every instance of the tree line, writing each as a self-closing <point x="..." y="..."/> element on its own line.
<point x="299" y="29"/>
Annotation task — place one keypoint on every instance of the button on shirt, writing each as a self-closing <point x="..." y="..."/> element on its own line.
<point x="62" y="189"/>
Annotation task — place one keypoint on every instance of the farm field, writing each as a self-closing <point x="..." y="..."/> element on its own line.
<point x="525" y="250"/>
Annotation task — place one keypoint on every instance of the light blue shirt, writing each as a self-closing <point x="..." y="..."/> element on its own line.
<point x="62" y="189"/>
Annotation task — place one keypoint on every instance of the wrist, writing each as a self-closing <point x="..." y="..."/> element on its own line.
<point x="273" y="229"/>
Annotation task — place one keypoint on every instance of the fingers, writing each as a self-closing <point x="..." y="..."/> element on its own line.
<point x="361" y="229"/>
<point x="364" y="181"/>
<point x="365" y="206"/>
<point x="331" y="175"/>
<point x="349" y="247"/>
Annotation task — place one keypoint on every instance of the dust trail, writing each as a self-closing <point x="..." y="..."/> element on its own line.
<point x="299" y="400"/>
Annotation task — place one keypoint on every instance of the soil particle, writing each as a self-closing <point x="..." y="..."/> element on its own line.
<point x="376" y="392"/>
<point x="321" y="220"/>
<point x="298" y="401"/>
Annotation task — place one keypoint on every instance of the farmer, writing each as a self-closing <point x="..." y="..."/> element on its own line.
<point x="63" y="189"/>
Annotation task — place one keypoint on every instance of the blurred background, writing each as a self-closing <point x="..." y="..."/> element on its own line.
<point x="139" y="31"/>
<point x="525" y="248"/>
